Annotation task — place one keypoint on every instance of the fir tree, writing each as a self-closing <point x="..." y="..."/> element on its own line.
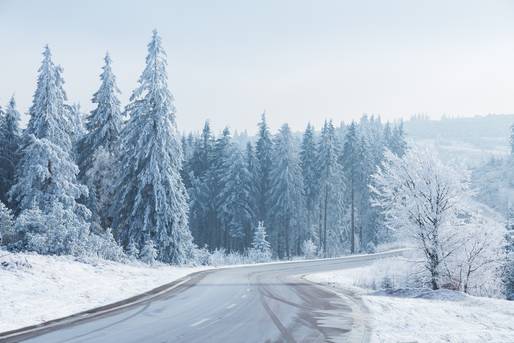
<point x="150" y="200"/>
<point x="263" y="152"/>
<point x="51" y="221"/>
<point x="261" y="248"/>
<point x="508" y="275"/>
<point x="286" y="196"/>
<point x="96" y="148"/>
<point x="332" y="191"/>
<point x="398" y="143"/>
<point x="202" y="195"/>
<point x="10" y="141"/>
<point x="49" y="117"/>
<point x="308" y="163"/>
<point x="352" y="168"/>
<point x="103" y="123"/>
<point x="237" y="209"/>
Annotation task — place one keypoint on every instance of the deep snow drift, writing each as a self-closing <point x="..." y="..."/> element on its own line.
<point x="36" y="288"/>
<point x="426" y="316"/>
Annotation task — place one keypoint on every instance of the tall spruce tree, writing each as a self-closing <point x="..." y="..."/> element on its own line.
<point x="309" y="165"/>
<point x="287" y="195"/>
<point x="150" y="201"/>
<point x="10" y="141"/>
<point x="46" y="188"/>
<point x="237" y="209"/>
<point x="331" y="178"/>
<point x="96" y="148"/>
<point x="398" y="143"/>
<point x="263" y="152"/>
<point x="352" y="168"/>
<point x="202" y="202"/>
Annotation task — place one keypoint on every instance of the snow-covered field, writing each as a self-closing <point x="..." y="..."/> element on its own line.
<point x="427" y="316"/>
<point x="36" y="288"/>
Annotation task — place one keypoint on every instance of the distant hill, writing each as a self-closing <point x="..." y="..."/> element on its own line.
<point x="473" y="140"/>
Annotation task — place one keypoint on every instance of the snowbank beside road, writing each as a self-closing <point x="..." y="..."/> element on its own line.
<point x="426" y="316"/>
<point x="36" y="288"/>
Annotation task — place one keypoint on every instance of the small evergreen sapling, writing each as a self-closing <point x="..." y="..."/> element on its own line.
<point x="148" y="252"/>
<point x="261" y="248"/>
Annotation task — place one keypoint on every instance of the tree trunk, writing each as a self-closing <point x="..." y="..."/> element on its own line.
<point x="325" y="223"/>
<point x="353" y="221"/>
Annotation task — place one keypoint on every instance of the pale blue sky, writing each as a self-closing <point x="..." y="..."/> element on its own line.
<point x="300" y="60"/>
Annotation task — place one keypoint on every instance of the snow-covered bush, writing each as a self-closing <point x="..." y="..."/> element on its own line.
<point x="105" y="246"/>
<point x="309" y="249"/>
<point x="58" y="232"/>
<point x="148" y="252"/>
<point x="371" y="248"/>
<point x="132" y="251"/>
<point x="201" y="256"/>
<point x="6" y="224"/>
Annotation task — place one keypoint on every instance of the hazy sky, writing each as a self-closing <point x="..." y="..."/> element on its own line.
<point x="300" y="60"/>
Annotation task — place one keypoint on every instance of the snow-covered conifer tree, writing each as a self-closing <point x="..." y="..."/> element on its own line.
<point x="263" y="149"/>
<point x="261" y="248"/>
<point x="352" y="168"/>
<point x="96" y="148"/>
<point x="49" y="117"/>
<point x="10" y="142"/>
<point x="236" y="198"/>
<point x="46" y="189"/>
<point x="309" y="165"/>
<point x="150" y="200"/>
<point x="286" y="196"/>
<point x="398" y="144"/>
<point x="331" y="192"/>
<point x="508" y="277"/>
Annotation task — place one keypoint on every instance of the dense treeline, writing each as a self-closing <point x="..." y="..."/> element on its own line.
<point x="310" y="187"/>
<point x="125" y="183"/>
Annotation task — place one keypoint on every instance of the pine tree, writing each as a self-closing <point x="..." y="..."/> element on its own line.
<point x="261" y="248"/>
<point x="51" y="221"/>
<point x="217" y="173"/>
<point x="237" y="210"/>
<point x="150" y="200"/>
<point x="202" y="196"/>
<point x="352" y="168"/>
<point x="332" y="191"/>
<point x="398" y="143"/>
<point x="96" y="148"/>
<point x="103" y="123"/>
<point x="49" y="117"/>
<point x="10" y="142"/>
<point x="308" y="163"/>
<point x="508" y="275"/>
<point x="263" y="152"/>
<point x="286" y="196"/>
<point x="251" y="164"/>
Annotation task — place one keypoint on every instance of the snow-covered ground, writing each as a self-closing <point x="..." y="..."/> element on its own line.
<point x="426" y="316"/>
<point x="36" y="288"/>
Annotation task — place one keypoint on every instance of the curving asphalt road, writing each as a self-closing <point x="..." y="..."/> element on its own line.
<point x="261" y="303"/>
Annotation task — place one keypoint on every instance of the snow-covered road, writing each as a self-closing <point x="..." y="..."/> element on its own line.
<point x="259" y="303"/>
